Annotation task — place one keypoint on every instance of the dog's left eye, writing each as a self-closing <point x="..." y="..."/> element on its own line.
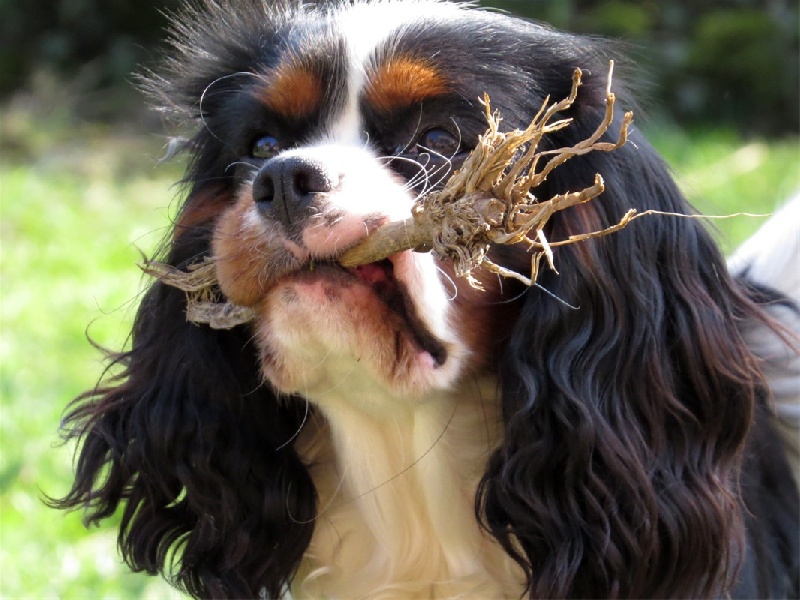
<point x="439" y="141"/>
<point x="266" y="146"/>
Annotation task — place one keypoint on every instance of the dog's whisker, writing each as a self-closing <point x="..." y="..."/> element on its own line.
<point x="451" y="281"/>
<point x="205" y="94"/>
<point x="413" y="135"/>
<point x="238" y="163"/>
<point x="416" y="461"/>
<point x="299" y="429"/>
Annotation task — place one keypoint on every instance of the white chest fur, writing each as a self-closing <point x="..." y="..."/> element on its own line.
<point x="396" y="501"/>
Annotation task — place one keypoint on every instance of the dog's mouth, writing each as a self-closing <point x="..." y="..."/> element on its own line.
<point x="394" y="294"/>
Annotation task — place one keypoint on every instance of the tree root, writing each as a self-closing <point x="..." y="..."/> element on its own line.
<point x="488" y="201"/>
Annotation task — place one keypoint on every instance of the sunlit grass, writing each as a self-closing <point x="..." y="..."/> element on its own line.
<point x="73" y="217"/>
<point x="722" y="175"/>
<point x="69" y="248"/>
<point x="71" y="225"/>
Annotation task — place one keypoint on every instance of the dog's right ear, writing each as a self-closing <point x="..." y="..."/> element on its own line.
<point x="189" y="441"/>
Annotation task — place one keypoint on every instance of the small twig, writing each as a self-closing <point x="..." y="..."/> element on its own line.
<point x="218" y="315"/>
<point x="199" y="278"/>
<point x="490" y="200"/>
<point x="204" y="302"/>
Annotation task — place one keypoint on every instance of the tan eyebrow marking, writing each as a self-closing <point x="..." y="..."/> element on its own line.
<point x="403" y="81"/>
<point x="292" y="90"/>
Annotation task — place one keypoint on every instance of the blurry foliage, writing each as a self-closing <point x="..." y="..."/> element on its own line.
<point x="722" y="62"/>
<point x="88" y="46"/>
<point x="733" y="62"/>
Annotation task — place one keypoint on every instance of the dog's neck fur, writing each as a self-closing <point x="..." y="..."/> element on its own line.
<point x="396" y="499"/>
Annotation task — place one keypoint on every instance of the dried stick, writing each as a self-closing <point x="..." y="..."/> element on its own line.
<point x="490" y="199"/>
<point x="204" y="302"/>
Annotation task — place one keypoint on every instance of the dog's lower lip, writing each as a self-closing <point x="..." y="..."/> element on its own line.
<point x="379" y="276"/>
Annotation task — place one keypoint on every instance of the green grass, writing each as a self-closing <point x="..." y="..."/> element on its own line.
<point x="723" y="175"/>
<point x="70" y="226"/>
<point x="76" y="204"/>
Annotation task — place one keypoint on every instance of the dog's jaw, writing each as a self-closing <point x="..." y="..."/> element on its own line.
<point x="329" y="336"/>
<point x="326" y="332"/>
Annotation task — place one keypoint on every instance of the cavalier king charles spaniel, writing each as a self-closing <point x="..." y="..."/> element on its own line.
<point x="387" y="430"/>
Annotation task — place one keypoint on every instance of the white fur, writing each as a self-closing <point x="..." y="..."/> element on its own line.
<point x="365" y="27"/>
<point x="772" y="254"/>
<point x="771" y="257"/>
<point x="315" y="359"/>
<point x="396" y="496"/>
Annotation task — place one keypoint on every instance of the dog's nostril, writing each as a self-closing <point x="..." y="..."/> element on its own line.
<point x="302" y="184"/>
<point x="311" y="178"/>
<point x="264" y="190"/>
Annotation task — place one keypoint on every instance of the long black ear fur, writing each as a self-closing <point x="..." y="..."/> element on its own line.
<point x="193" y="445"/>
<point x="185" y="435"/>
<point x="627" y="395"/>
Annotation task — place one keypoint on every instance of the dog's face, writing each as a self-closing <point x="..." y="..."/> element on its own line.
<point x="345" y="118"/>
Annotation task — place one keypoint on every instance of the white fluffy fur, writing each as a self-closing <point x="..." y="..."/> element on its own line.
<point x="772" y="257"/>
<point x="396" y="494"/>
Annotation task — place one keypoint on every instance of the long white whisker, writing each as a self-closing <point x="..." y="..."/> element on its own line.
<point x="237" y="163"/>
<point x="452" y="283"/>
<point x="414" y="133"/>
<point x="416" y="461"/>
<point x="296" y="433"/>
<point x="205" y="93"/>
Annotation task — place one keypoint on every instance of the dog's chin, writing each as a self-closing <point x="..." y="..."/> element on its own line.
<point x="378" y="331"/>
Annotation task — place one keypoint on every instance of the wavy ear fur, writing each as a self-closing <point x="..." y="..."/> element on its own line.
<point x="626" y="415"/>
<point x="191" y="442"/>
<point x="188" y="438"/>
<point x="185" y="435"/>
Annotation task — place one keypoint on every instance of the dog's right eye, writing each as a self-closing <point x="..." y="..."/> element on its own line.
<point x="266" y="146"/>
<point x="439" y="141"/>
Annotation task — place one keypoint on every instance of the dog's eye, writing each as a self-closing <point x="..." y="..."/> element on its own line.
<point x="439" y="141"/>
<point x="266" y="146"/>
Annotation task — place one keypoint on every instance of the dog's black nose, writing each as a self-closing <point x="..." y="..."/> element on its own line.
<point x="285" y="188"/>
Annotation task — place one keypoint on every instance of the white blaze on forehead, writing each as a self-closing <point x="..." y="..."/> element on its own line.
<point x="365" y="26"/>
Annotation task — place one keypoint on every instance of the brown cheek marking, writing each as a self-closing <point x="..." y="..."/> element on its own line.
<point x="234" y="246"/>
<point x="200" y="210"/>
<point x="292" y="91"/>
<point x="483" y="319"/>
<point x="403" y="81"/>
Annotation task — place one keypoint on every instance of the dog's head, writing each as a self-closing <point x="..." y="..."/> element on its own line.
<point x="327" y="123"/>
<point x="625" y="389"/>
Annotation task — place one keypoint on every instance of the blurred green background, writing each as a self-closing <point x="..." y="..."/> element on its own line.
<point x="82" y="195"/>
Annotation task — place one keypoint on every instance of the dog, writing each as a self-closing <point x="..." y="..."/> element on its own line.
<point x="389" y="430"/>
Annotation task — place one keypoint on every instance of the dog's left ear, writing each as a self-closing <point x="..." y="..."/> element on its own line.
<point x="187" y="440"/>
<point x="627" y="393"/>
